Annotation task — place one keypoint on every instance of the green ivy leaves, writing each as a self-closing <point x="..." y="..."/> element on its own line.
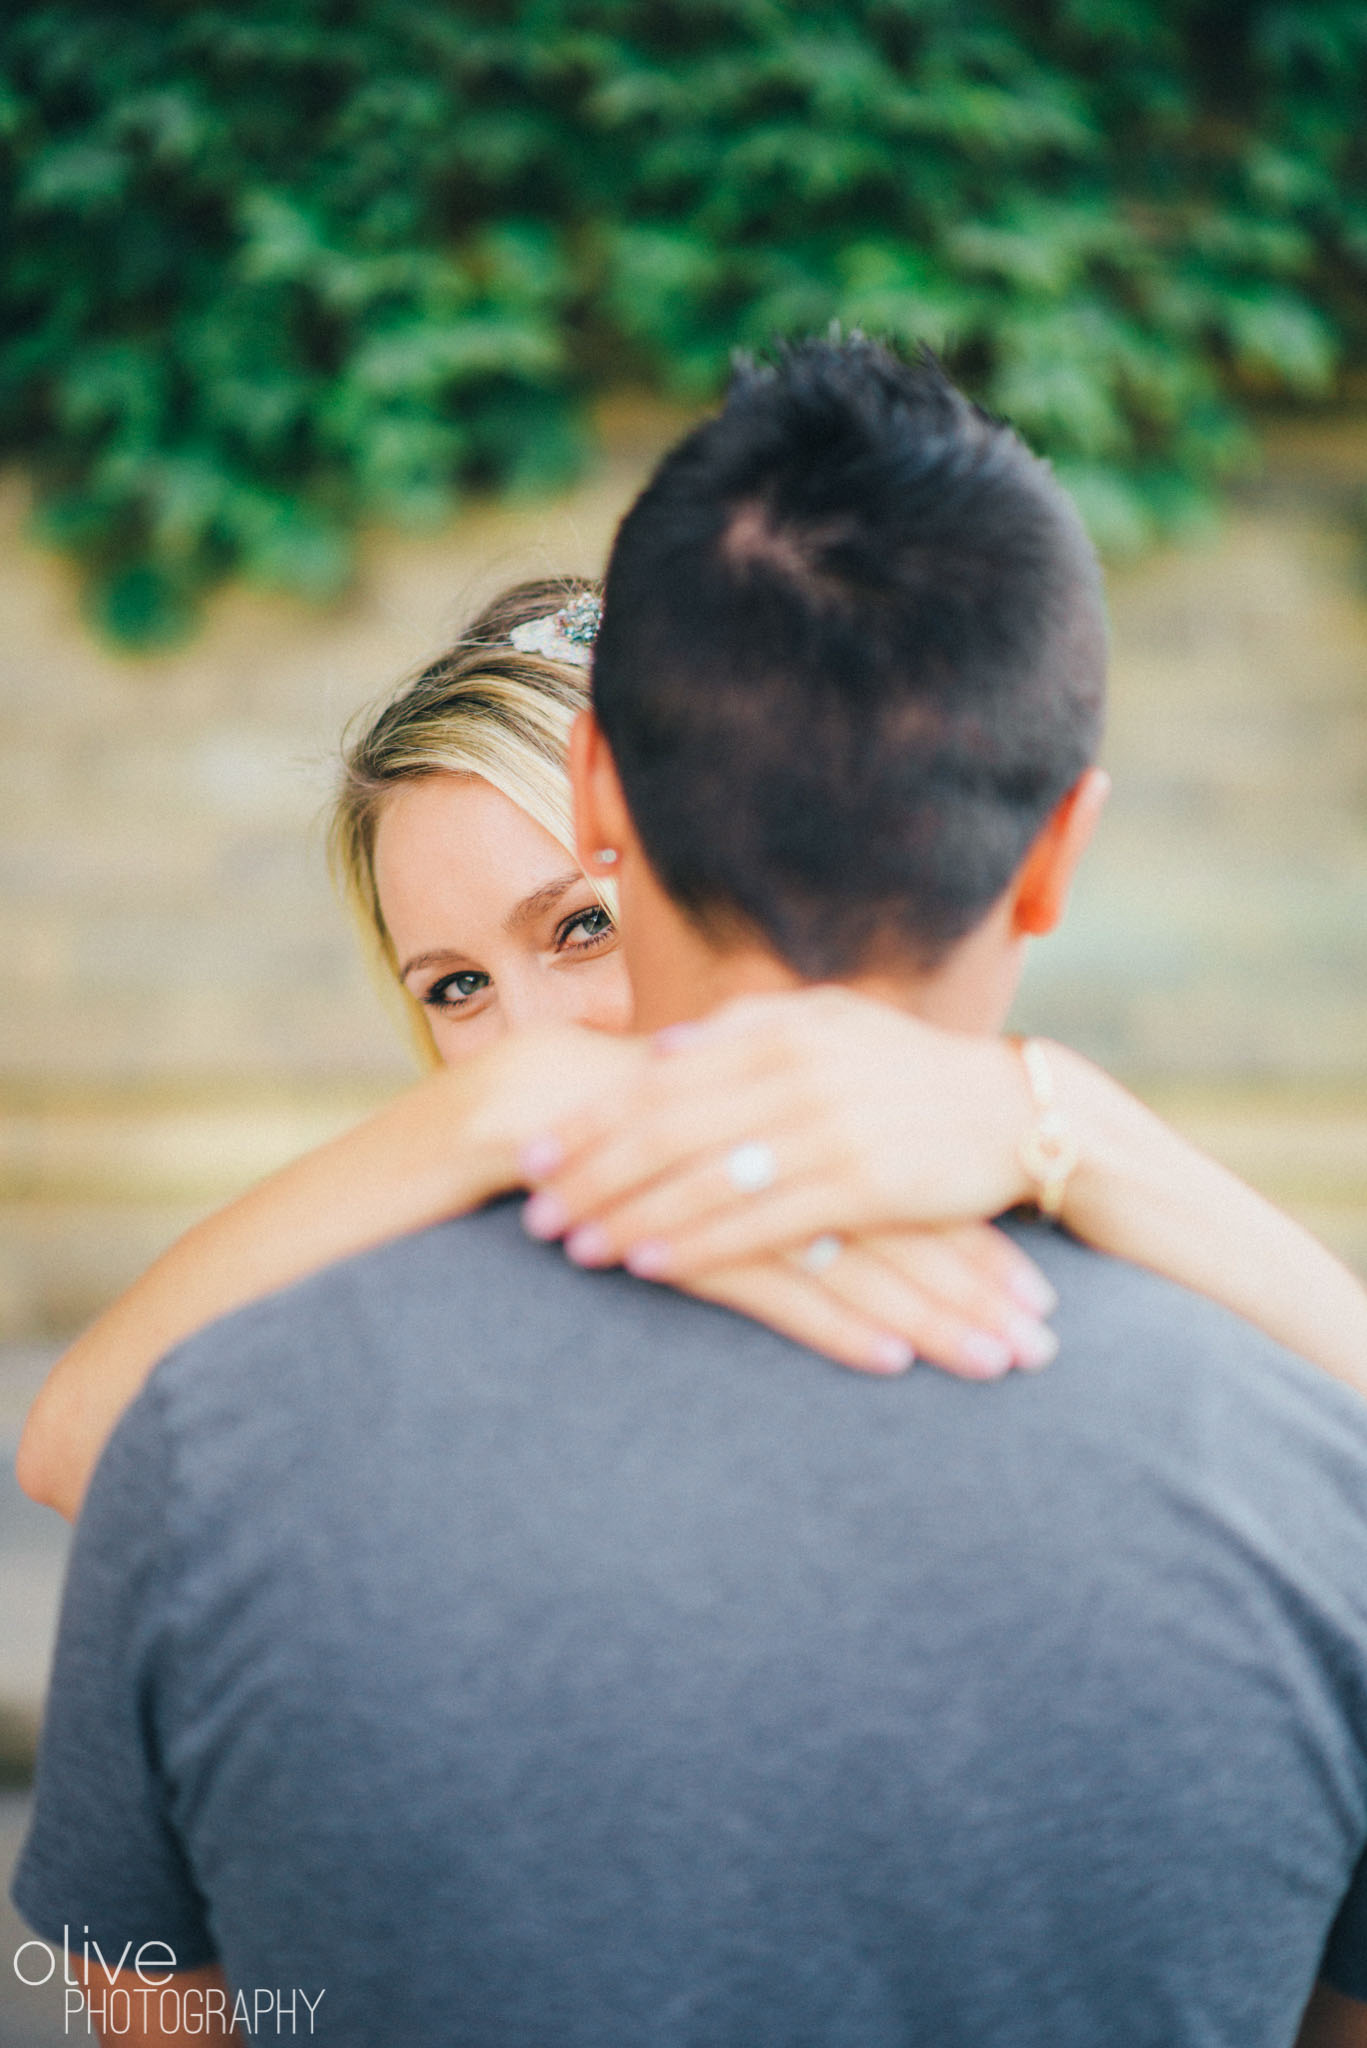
<point x="274" y="270"/>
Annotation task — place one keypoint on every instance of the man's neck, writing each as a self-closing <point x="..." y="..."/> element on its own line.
<point x="679" y="975"/>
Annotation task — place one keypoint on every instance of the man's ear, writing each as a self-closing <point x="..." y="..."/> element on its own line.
<point x="1042" y="885"/>
<point x="602" y="821"/>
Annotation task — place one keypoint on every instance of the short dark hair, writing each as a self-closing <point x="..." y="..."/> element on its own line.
<point x="852" y="655"/>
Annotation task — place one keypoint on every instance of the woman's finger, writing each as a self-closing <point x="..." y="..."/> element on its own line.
<point x="654" y="1175"/>
<point x="773" y="1292"/>
<point x="941" y="1306"/>
<point x="964" y="1272"/>
<point x="698" y="1088"/>
<point x="861" y="1312"/>
<point x="990" y="1251"/>
<point x="651" y="1236"/>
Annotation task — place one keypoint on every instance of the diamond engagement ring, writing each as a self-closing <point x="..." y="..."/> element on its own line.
<point x="751" y="1167"/>
<point x="821" y="1254"/>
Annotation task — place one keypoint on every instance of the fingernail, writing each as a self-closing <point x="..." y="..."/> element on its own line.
<point x="648" y="1259"/>
<point x="890" y="1354"/>
<point x="588" y="1246"/>
<point x="1035" y="1345"/>
<point x="541" y="1158"/>
<point x="545" y="1215"/>
<point x="1032" y="1290"/>
<point x="675" y="1036"/>
<point x="987" y="1356"/>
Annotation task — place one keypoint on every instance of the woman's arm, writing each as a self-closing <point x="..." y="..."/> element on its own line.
<point x="441" y="1147"/>
<point x="447" y="1145"/>
<point x="875" y="1118"/>
<point x="1145" y="1194"/>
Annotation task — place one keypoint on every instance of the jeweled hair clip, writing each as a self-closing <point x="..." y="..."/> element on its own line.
<point x="567" y="635"/>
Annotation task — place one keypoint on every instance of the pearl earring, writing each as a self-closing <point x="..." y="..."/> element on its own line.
<point x="606" y="856"/>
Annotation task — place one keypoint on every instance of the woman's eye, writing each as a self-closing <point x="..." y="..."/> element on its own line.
<point x="587" y="927"/>
<point x="453" y="990"/>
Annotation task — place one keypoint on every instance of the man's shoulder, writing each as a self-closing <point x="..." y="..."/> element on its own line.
<point x="482" y="1268"/>
<point x="473" y="1311"/>
<point x="438" y="1314"/>
<point x="1175" y="1399"/>
<point x="474" y="1295"/>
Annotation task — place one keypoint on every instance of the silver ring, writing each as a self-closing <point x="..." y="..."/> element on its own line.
<point x="821" y="1254"/>
<point x="751" y="1167"/>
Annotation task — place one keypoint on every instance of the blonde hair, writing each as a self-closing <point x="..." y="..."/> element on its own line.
<point x="482" y="708"/>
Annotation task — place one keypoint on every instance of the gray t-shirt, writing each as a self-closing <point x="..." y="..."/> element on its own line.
<point x="537" y="1659"/>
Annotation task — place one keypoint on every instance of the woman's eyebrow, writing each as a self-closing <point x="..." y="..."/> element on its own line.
<point x="442" y="957"/>
<point x="540" y="901"/>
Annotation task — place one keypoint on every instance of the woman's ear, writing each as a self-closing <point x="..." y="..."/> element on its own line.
<point x="1045" y="877"/>
<point x="602" y="823"/>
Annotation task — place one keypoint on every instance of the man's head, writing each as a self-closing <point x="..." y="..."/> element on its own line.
<point x="851" y="664"/>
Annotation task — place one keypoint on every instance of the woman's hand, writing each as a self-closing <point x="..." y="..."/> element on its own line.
<point x="866" y="1117"/>
<point x="962" y="1298"/>
<point x="950" y="1297"/>
<point x="869" y="1119"/>
<point x="491" y="1111"/>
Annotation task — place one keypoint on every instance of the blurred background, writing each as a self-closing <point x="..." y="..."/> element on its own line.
<point x="322" y="319"/>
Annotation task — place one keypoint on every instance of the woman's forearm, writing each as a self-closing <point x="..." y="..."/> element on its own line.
<point x="1145" y="1194"/>
<point x="430" y="1153"/>
<point x="876" y="1119"/>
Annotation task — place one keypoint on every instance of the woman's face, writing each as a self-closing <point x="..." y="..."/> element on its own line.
<point x="494" y="925"/>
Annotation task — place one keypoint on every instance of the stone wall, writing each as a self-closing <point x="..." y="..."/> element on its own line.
<point x="183" y="1004"/>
